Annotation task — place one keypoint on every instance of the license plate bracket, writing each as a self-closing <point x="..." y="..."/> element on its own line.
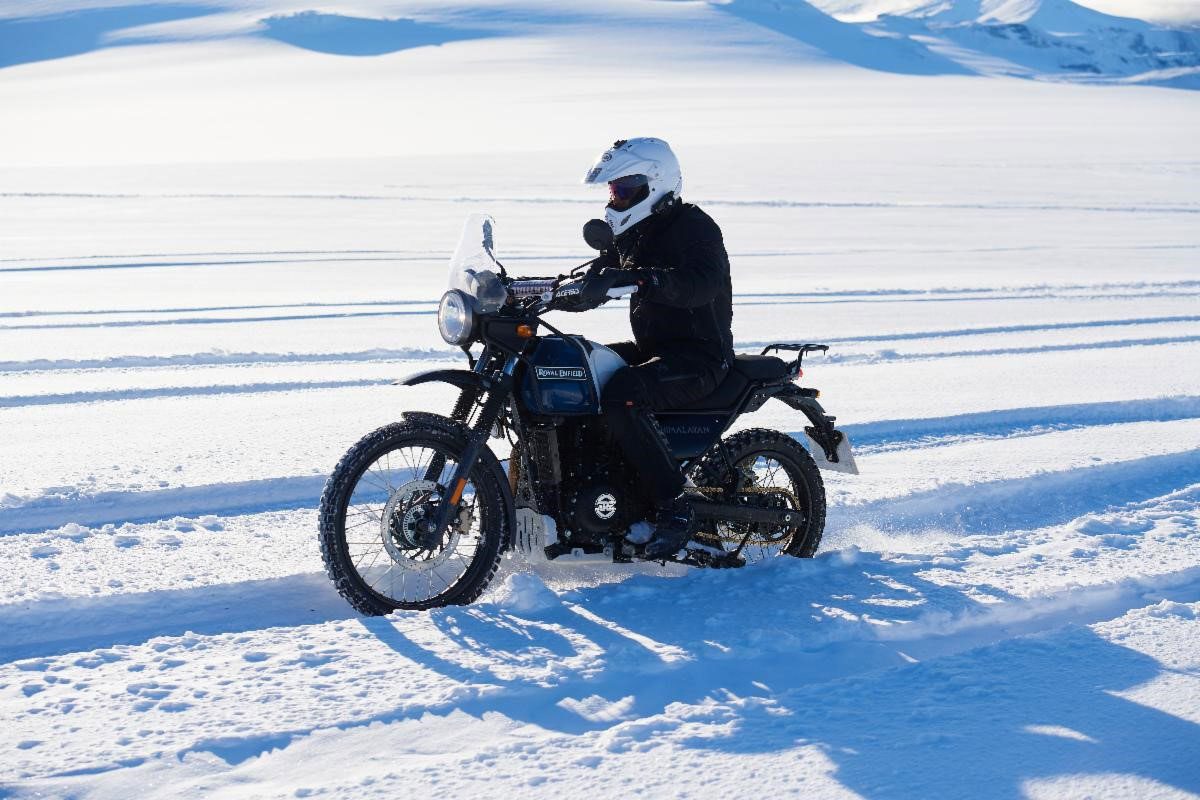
<point x="845" y="455"/>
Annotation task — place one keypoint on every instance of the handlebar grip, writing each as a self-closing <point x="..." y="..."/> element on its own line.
<point x="621" y="291"/>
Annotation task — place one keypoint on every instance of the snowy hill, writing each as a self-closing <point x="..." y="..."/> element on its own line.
<point x="1053" y="38"/>
<point x="803" y="23"/>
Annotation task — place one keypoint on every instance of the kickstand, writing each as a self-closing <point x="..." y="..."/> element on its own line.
<point x="738" y="552"/>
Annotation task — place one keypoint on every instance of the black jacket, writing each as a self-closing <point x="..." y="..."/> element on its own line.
<point x="686" y="307"/>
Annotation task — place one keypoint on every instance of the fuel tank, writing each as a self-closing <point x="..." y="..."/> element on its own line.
<point x="565" y="376"/>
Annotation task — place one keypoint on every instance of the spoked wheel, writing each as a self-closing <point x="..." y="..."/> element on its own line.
<point x="375" y="547"/>
<point x="766" y="469"/>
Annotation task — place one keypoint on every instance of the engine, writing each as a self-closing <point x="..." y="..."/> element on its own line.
<point x="582" y="482"/>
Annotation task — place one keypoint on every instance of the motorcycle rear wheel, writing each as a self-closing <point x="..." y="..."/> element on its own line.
<point x="770" y="468"/>
<point x="389" y="481"/>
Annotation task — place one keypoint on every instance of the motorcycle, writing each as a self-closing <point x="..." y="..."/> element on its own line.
<point x="419" y="513"/>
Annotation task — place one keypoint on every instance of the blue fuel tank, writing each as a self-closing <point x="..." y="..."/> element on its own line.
<point x="565" y="376"/>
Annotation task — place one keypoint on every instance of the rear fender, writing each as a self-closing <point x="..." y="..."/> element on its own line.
<point x="822" y="431"/>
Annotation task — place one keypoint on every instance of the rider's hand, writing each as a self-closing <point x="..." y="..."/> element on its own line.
<point x="596" y="286"/>
<point x="569" y="297"/>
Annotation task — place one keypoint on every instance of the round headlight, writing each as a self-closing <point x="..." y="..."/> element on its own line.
<point x="456" y="318"/>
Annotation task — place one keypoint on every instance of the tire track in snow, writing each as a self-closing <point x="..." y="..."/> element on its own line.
<point x="197" y="309"/>
<point x="213" y="253"/>
<point x="892" y="337"/>
<point x="1017" y="421"/>
<point x="116" y="507"/>
<point x="1036" y="501"/>
<point x="219" y="358"/>
<point x="286" y="493"/>
<point x="173" y="264"/>
<point x="149" y="323"/>
<point x="775" y="253"/>
<point x="936" y="634"/>
<point x="992" y="329"/>
<point x="751" y="203"/>
<point x="408" y="353"/>
<point x="51" y="628"/>
<point x="63" y="625"/>
<point x="116" y="395"/>
<point x="889" y="356"/>
<point x="1105" y="290"/>
<point x="478" y="653"/>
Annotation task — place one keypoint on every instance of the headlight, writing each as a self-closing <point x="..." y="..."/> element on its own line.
<point x="456" y="318"/>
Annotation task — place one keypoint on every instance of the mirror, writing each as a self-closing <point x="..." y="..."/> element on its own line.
<point x="598" y="235"/>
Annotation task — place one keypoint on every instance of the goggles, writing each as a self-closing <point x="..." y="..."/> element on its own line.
<point x="626" y="188"/>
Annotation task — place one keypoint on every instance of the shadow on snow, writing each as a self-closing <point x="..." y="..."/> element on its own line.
<point x="808" y="26"/>
<point x="765" y="670"/>
<point x="358" y="36"/>
<point x="25" y="40"/>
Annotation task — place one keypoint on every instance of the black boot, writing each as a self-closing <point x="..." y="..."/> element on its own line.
<point x="674" y="525"/>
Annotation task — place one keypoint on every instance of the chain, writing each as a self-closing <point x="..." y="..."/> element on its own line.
<point x="736" y="538"/>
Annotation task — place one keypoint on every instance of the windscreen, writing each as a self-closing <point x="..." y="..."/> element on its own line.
<point x="473" y="267"/>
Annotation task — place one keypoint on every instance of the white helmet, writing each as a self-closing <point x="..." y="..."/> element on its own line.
<point x="643" y="177"/>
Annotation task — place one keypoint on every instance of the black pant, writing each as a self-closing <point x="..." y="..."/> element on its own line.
<point x="649" y="384"/>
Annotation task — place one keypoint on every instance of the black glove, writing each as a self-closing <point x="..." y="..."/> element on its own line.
<point x="569" y="297"/>
<point x="596" y="286"/>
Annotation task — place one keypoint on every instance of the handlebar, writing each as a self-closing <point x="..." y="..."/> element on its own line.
<point x="547" y="289"/>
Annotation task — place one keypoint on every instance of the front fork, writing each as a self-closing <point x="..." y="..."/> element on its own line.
<point x="461" y="412"/>
<point x="499" y="387"/>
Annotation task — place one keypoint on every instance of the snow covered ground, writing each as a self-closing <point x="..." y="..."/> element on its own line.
<point x="217" y="252"/>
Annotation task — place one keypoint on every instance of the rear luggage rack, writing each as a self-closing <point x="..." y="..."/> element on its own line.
<point x="800" y="349"/>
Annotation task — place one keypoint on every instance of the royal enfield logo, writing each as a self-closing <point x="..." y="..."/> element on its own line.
<point x="606" y="506"/>
<point x="561" y="373"/>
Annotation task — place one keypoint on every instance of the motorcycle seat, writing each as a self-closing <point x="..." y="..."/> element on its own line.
<point x="760" y="368"/>
<point x="745" y="370"/>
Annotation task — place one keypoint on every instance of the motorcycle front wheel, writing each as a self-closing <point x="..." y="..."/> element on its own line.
<point x="371" y="542"/>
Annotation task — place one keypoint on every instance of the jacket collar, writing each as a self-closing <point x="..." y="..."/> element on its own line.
<point x="630" y="243"/>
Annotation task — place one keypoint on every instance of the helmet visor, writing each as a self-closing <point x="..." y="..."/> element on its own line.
<point x="627" y="191"/>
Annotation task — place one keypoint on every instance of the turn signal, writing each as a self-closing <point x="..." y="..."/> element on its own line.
<point x="524" y="332"/>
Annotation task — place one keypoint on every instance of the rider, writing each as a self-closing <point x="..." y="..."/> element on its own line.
<point x="680" y="316"/>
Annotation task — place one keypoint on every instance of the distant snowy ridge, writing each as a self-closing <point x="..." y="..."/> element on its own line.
<point x="1051" y="38"/>
<point x="1040" y="39"/>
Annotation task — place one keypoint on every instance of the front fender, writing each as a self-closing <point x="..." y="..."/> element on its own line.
<point x="462" y="378"/>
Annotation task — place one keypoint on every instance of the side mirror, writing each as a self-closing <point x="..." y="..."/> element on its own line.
<point x="598" y="235"/>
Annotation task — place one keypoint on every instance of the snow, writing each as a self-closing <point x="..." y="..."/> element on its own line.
<point x="223" y="233"/>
